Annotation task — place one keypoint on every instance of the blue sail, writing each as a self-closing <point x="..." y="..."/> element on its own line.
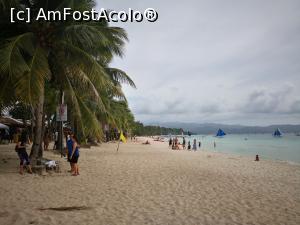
<point x="220" y="133"/>
<point x="277" y="133"/>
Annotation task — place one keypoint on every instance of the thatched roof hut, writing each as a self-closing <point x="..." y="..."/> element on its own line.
<point x="11" y="122"/>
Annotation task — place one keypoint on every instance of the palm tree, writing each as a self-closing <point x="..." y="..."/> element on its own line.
<point x="71" y="56"/>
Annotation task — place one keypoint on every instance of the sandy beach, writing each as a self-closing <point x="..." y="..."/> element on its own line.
<point x="151" y="184"/>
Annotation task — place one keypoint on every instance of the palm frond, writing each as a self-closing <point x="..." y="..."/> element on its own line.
<point x="32" y="81"/>
<point x="88" y="64"/>
<point x="12" y="61"/>
<point x="91" y="126"/>
<point x="120" y="76"/>
<point x="83" y="84"/>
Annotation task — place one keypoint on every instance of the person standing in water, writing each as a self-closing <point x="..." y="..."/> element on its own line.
<point x="199" y="144"/>
<point x="195" y="145"/>
<point x="183" y="143"/>
<point x="215" y="145"/>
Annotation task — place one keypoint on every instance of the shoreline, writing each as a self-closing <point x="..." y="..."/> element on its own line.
<point x="234" y="153"/>
<point x="246" y="156"/>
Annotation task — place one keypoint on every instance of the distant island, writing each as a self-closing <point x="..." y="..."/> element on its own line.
<point x="211" y="128"/>
<point x="140" y="129"/>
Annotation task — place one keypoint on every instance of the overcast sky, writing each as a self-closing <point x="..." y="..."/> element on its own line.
<point x="232" y="62"/>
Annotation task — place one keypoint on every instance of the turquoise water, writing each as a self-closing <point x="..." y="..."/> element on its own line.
<point x="286" y="148"/>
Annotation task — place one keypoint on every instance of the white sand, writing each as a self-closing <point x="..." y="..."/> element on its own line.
<point x="144" y="184"/>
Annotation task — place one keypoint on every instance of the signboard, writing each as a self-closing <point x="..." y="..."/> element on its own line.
<point x="62" y="113"/>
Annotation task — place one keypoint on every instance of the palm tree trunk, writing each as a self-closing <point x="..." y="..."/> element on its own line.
<point x="41" y="149"/>
<point x="38" y="129"/>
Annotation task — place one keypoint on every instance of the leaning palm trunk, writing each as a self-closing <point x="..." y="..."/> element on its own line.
<point x="41" y="149"/>
<point x="36" y="150"/>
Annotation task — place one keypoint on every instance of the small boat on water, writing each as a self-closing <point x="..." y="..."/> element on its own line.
<point x="220" y="133"/>
<point x="277" y="133"/>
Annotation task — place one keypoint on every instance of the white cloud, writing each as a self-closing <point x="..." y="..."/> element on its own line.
<point x="220" y="61"/>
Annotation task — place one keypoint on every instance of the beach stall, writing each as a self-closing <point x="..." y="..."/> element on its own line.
<point x="11" y="122"/>
<point x="13" y="125"/>
<point x="4" y="133"/>
<point x="3" y="126"/>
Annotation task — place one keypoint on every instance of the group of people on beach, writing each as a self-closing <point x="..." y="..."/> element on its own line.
<point x="174" y="144"/>
<point x="72" y="152"/>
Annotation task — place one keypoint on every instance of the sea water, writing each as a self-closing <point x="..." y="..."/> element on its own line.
<point x="285" y="148"/>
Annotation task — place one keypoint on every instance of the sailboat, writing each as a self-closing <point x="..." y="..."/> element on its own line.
<point x="220" y="133"/>
<point x="277" y="133"/>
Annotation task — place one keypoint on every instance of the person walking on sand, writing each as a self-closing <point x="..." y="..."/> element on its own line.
<point x="75" y="155"/>
<point x="173" y="143"/>
<point x="195" y="145"/>
<point x="46" y="140"/>
<point x="189" y="145"/>
<point x="23" y="156"/>
<point x="183" y="143"/>
<point x="55" y="146"/>
<point x="170" y="143"/>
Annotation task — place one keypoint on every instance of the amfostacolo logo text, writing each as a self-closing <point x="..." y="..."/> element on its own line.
<point x="130" y="15"/>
